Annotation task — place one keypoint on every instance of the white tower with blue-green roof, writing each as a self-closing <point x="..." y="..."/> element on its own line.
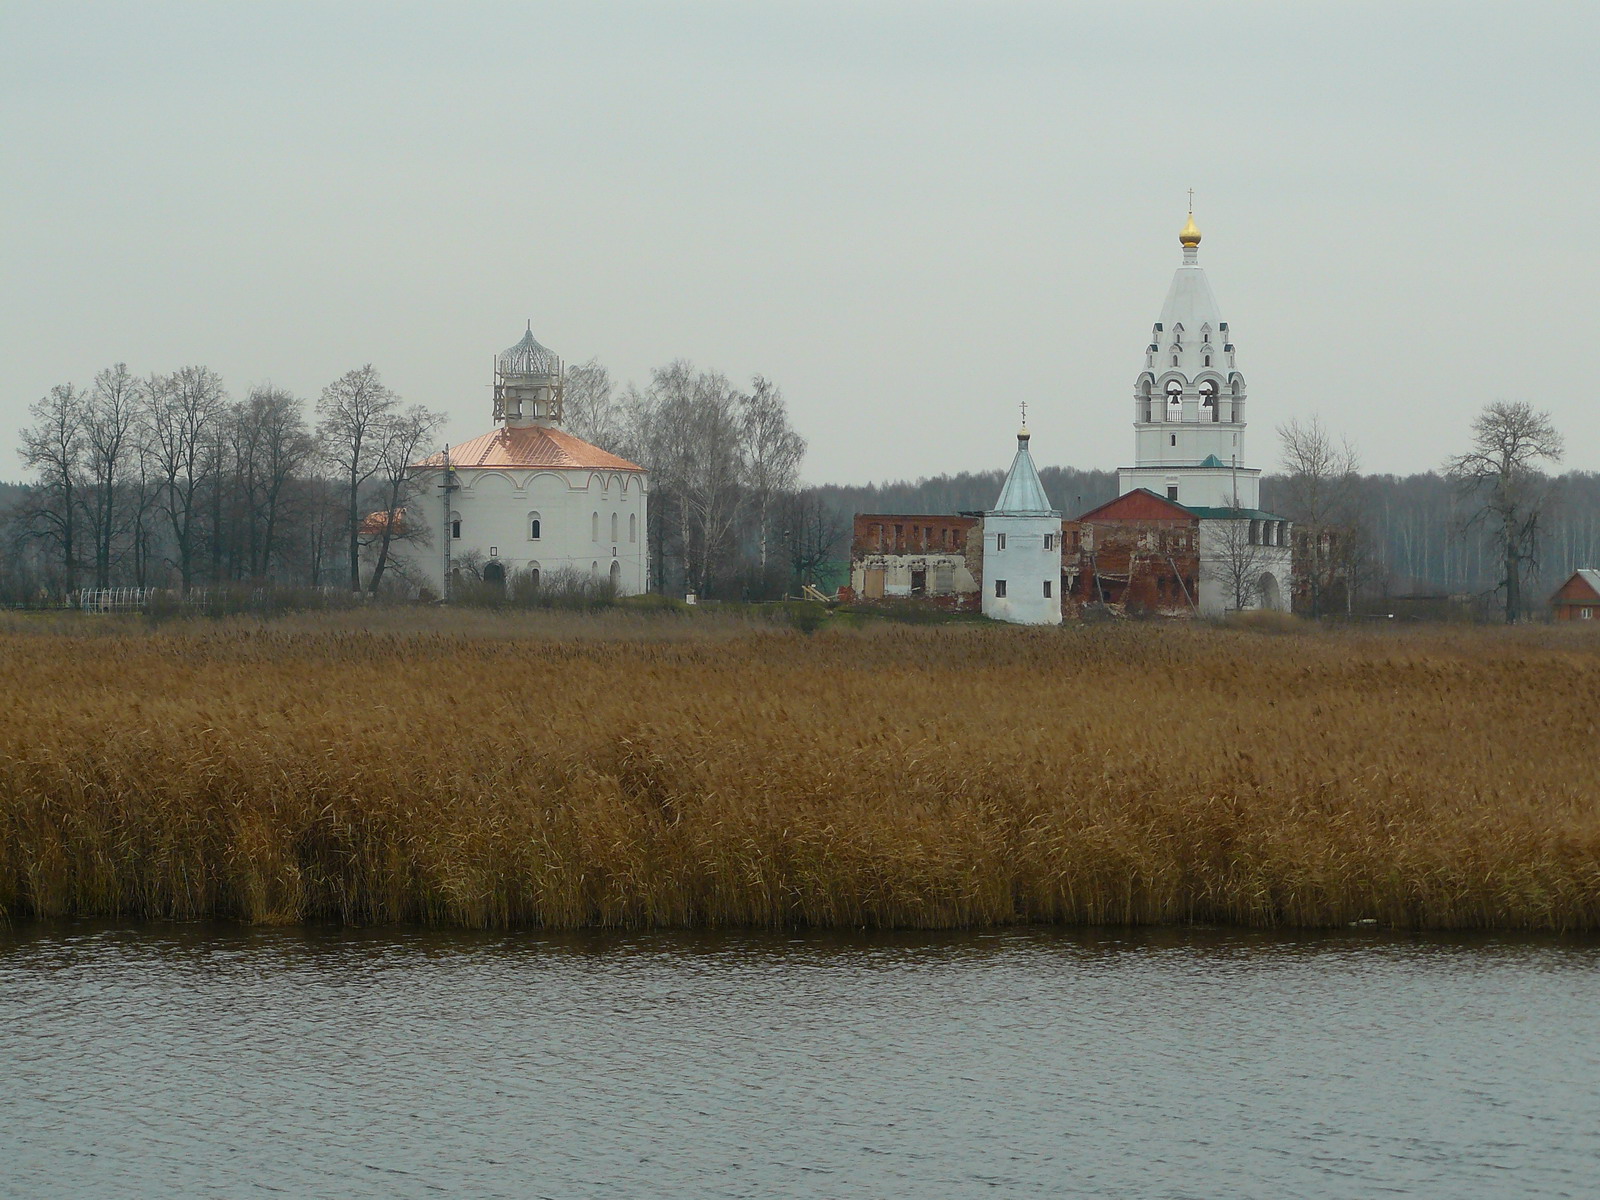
<point x="1022" y="547"/>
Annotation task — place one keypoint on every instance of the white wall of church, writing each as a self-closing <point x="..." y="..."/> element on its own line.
<point x="1199" y="487"/>
<point x="1226" y="552"/>
<point x="1024" y="555"/>
<point x="589" y="521"/>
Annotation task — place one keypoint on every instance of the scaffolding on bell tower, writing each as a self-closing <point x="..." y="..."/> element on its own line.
<point x="529" y="384"/>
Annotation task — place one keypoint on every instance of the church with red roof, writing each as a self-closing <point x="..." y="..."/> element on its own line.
<point x="528" y="500"/>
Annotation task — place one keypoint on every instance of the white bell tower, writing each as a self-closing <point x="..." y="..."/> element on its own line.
<point x="1189" y="401"/>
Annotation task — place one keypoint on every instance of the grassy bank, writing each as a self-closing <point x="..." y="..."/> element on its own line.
<point x="562" y="770"/>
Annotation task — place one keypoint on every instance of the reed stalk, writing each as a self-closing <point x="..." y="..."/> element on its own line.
<point x="497" y="771"/>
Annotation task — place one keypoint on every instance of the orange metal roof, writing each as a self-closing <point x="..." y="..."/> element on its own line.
<point x="530" y="446"/>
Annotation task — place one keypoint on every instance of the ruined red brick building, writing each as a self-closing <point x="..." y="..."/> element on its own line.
<point x="904" y="555"/>
<point x="1140" y="552"/>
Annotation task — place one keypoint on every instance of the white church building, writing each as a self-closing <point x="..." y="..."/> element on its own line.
<point x="529" y="499"/>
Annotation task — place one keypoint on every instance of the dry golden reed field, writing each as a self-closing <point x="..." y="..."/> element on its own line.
<point x="497" y="770"/>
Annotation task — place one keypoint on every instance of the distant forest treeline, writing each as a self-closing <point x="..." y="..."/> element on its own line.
<point x="1415" y="520"/>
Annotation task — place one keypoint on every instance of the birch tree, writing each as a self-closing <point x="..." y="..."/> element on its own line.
<point x="771" y="451"/>
<point x="590" y="407"/>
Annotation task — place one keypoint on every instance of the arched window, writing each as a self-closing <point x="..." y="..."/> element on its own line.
<point x="633" y="527"/>
<point x="455" y="525"/>
<point x="616" y="575"/>
<point x="613" y="527"/>
<point x="534" y="574"/>
<point x="594" y="527"/>
<point x="535" y="527"/>
<point x="594" y="570"/>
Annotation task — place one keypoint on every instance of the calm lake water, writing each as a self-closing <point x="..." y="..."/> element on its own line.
<point x="209" y="1060"/>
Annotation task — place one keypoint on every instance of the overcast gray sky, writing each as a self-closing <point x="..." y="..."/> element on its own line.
<point x="909" y="215"/>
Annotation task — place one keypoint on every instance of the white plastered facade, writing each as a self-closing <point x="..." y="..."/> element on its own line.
<point x="1189" y="401"/>
<point x="590" y="522"/>
<point x="1022" y="549"/>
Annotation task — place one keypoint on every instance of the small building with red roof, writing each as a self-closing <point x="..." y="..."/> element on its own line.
<point x="1578" y="599"/>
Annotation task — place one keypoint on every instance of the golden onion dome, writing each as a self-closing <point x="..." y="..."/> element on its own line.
<point x="1191" y="233"/>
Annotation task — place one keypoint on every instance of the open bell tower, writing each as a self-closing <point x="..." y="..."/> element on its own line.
<point x="529" y="385"/>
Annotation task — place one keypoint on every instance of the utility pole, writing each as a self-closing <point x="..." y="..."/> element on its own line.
<point x="447" y="488"/>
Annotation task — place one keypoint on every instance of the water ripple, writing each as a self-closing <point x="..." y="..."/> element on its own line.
<point x="209" y="1060"/>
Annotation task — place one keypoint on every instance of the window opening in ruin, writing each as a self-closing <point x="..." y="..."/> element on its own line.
<point x="919" y="582"/>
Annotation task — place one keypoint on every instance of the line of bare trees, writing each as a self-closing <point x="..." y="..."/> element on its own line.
<point x="165" y="480"/>
<point x="728" y="515"/>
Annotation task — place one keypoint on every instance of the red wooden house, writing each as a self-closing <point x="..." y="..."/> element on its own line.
<point x="1578" y="599"/>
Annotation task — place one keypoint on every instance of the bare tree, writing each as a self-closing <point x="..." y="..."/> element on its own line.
<point x="182" y="413"/>
<point x="110" y="428"/>
<point x="813" y="532"/>
<point x="401" y="440"/>
<point x="771" y="450"/>
<point x="685" y="429"/>
<point x="590" y="408"/>
<point x="1234" y="557"/>
<point x="54" y="448"/>
<point x="353" y="409"/>
<point x="1501" y="479"/>
<point x="1321" y="489"/>
<point x="271" y="446"/>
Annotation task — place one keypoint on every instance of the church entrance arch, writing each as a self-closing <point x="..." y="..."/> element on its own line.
<point x="494" y="575"/>
<point x="616" y="574"/>
<point x="1271" y="595"/>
